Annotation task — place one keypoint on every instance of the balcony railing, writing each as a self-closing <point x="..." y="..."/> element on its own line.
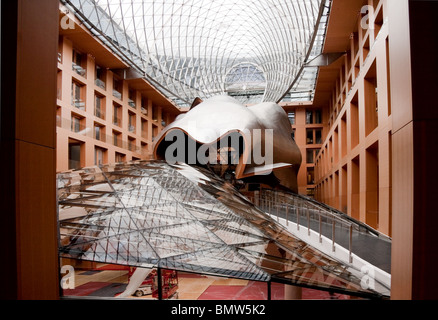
<point x="78" y="103"/>
<point x="79" y="127"/>
<point x="307" y="214"/>
<point x="100" y="136"/>
<point x="78" y="69"/>
<point x="117" y="94"/>
<point x="131" y="103"/>
<point x="144" y="111"/>
<point x="117" y="122"/>
<point x="100" y="83"/>
<point x="131" y="128"/>
<point x="99" y="113"/>
<point x="117" y="141"/>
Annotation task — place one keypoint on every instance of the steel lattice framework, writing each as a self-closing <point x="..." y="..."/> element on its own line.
<point x="150" y="214"/>
<point x="195" y="48"/>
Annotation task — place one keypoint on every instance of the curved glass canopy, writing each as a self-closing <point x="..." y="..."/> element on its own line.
<point x="252" y="50"/>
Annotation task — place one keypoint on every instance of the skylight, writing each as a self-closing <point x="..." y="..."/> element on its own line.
<point x="190" y="48"/>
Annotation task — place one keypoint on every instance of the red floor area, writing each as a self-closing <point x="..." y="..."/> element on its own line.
<point x="258" y="291"/>
<point x="251" y="291"/>
<point x="85" y="289"/>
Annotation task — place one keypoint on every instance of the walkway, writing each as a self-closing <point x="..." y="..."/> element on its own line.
<point x="366" y="243"/>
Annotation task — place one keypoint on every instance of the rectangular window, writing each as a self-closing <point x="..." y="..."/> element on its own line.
<point x="309" y="117"/>
<point x="311" y="155"/>
<point x="120" y="157"/>
<point x="131" y="122"/>
<point x="58" y="117"/>
<point x="310" y="176"/>
<point x="371" y="100"/>
<point x="291" y="116"/>
<point x="99" y="132"/>
<point x="318" y="117"/>
<point x="117" y="139"/>
<point x="117" y="88"/>
<point x="59" y="85"/>
<point x="78" y="63"/>
<point x="99" y="106"/>
<point x="117" y="115"/>
<point x="354" y="120"/>
<point x="131" y="100"/>
<point x="76" y="123"/>
<point x="99" y="156"/>
<point x="144" y="106"/>
<point x="154" y="113"/>
<point x="309" y="135"/>
<point x="154" y="131"/>
<point x="100" y="77"/>
<point x="163" y="119"/>
<point x="144" y="128"/>
<point x="131" y="144"/>
<point x="77" y="93"/>
<point x="318" y="136"/>
<point x="74" y="155"/>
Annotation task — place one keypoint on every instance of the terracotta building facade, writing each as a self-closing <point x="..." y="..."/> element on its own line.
<point x="103" y="114"/>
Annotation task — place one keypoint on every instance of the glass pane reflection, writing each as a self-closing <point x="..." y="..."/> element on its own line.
<point x="150" y="214"/>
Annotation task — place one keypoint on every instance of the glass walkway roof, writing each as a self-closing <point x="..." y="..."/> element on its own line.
<point x="252" y="50"/>
<point x="151" y="214"/>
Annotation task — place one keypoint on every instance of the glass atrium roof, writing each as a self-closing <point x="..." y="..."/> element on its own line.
<point x="252" y="50"/>
<point x="151" y="214"/>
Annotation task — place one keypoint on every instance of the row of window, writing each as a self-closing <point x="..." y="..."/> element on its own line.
<point x="99" y="130"/>
<point x="78" y="90"/>
<point x="312" y="117"/>
<point x="76" y="155"/>
<point x="313" y="136"/>
<point x="78" y="101"/>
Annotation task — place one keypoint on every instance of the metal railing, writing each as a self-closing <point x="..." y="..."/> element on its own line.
<point x="131" y="103"/>
<point x="117" y="94"/>
<point x="100" y="83"/>
<point x="78" y="69"/>
<point x="82" y="129"/>
<point x="323" y="220"/>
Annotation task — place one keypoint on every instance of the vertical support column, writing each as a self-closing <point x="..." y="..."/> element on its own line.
<point x="160" y="284"/>
<point x="269" y="291"/>
<point x="413" y="68"/>
<point x="292" y="292"/>
<point x="8" y="24"/>
<point x="28" y="125"/>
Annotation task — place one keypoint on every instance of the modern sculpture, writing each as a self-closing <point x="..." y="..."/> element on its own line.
<point x="241" y="144"/>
